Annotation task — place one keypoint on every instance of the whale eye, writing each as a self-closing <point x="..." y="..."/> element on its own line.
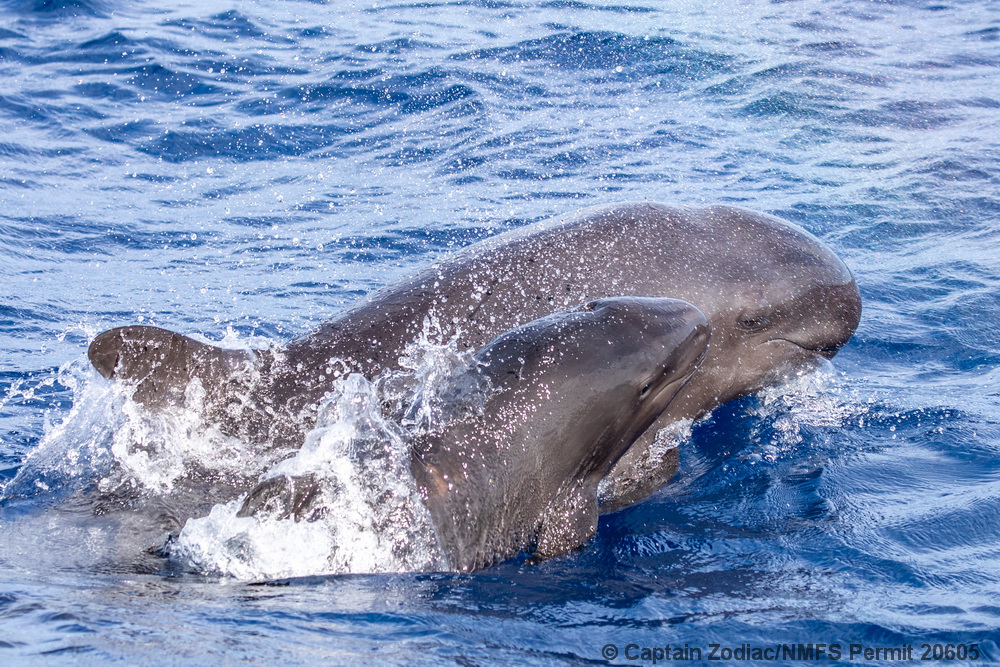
<point x="644" y="392"/>
<point x="754" y="323"/>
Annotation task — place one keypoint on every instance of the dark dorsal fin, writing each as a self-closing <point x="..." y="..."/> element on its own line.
<point x="161" y="363"/>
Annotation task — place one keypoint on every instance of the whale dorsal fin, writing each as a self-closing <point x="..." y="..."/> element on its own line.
<point x="161" y="363"/>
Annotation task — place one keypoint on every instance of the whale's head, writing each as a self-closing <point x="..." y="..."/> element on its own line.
<point x="599" y="375"/>
<point x="778" y="299"/>
<point x="636" y="354"/>
<point x="570" y="393"/>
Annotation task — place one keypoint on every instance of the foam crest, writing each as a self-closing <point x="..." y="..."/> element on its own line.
<point x="254" y="547"/>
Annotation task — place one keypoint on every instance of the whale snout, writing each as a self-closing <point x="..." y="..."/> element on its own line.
<point x="691" y="351"/>
<point x="846" y="300"/>
<point x="669" y="339"/>
<point x="831" y="315"/>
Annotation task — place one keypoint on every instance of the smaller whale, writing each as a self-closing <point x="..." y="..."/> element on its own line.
<point x="569" y="394"/>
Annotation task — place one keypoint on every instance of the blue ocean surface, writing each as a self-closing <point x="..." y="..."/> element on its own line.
<point x="242" y="171"/>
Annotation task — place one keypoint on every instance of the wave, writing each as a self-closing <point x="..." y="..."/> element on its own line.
<point x="62" y="8"/>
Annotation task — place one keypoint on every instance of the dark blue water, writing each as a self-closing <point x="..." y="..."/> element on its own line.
<point x="246" y="169"/>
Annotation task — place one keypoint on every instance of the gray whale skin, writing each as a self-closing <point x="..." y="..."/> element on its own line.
<point x="773" y="299"/>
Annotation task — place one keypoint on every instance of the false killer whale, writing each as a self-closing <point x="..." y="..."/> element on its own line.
<point x="775" y="297"/>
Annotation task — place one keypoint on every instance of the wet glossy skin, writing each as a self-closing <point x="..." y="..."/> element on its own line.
<point x="776" y="297"/>
<point x="569" y="394"/>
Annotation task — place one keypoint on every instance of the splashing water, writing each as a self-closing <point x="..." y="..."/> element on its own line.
<point x="369" y="516"/>
<point x="437" y="383"/>
<point x="654" y="459"/>
<point x="110" y="442"/>
<point x="77" y="450"/>
<point x="808" y="401"/>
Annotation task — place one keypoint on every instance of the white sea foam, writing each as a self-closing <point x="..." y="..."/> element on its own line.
<point x="254" y="547"/>
<point x="369" y="515"/>
<point x="108" y="439"/>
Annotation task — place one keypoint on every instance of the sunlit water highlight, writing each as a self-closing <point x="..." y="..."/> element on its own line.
<point x="254" y="167"/>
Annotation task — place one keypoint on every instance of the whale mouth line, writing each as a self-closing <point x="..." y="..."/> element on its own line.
<point x="675" y="385"/>
<point x="826" y="351"/>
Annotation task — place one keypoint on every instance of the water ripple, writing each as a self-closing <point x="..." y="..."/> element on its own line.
<point x="255" y="169"/>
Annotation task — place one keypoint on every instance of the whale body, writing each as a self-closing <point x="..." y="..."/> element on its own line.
<point x="776" y="298"/>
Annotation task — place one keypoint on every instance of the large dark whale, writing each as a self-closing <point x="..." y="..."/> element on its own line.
<point x="777" y="300"/>
<point x="566" y="396"/>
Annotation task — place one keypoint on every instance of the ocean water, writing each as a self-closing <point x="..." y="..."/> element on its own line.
<point x="241" y="171"/>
